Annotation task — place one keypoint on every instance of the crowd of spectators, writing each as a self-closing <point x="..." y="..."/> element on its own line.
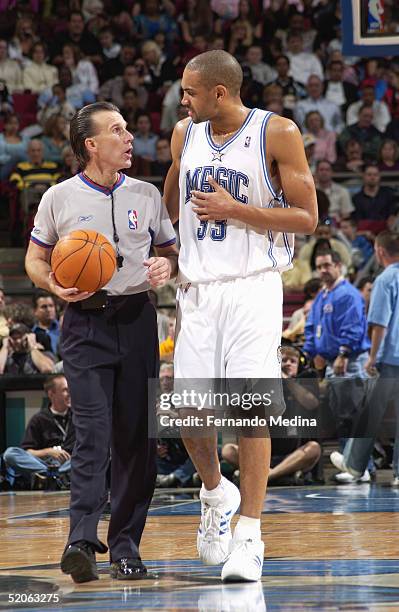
<point x="57" y="56"/>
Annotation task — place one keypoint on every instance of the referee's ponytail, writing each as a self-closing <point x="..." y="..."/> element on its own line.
<point x="82" y="127"/>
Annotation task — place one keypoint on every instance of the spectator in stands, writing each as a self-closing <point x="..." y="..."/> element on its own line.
<point x="196" y="18"/>
<point x="324" y="231"/>
<point x="336" y="337"/>
<point x="4" y="329"/>
<point x="339" y="197"/>
<point x="352" y="160"/>
<point x="170" y="103"/>
<point x="364" y="132"/>
<point x="303" y="64"/>
<point x="110" y="49"/>
<point x="149" y="19"/>
<point x="381" y="114"/>
<point x="261" y="72"/>
<point x="273" y="100"/>
<point x="316" y="101"/>
<point x="112" y="68"/>
<point x="10" y="71"/>
<point x="374" y="204"/>
<point x="21" y="44"/>
<point x="69" y="166"/>
<point x="166" y="347"/>
<point x="112" y="90"/>
<point x="38" y="75"/>
<point x="174" y="466"/>
<point x="251" y="91"/>
<point x="77" y="35"/>
<point x="46" y="317"/>
<point x="36" y="170"/>
<point x="336" y="89"/>
<point x="292" y="90"/>
<point x="241" y="33"/>
<point x="47" y="445"/>
<point x="290" y="456"/>
<point x="57" y="105"/>
<point x="130" y="108"/>
<point x="359" y="243"/>
<point x="388" y="156"/>
<point x="160" y="71"/>
<point x="76" y="95"/>
<point x="55" y="139"/>
<point x="13" y="146"/>
<point x="83" y="70"/>
<point x="19" y="312"/>
<point x="295" y="330"/>
<point x="391" y="96"/>
<point x="163" y="160"/>
<point x="145" y="141"/>
<point x="325" y="140"/>
<point x="21" y="354"/>
<point x="365" y="286"/>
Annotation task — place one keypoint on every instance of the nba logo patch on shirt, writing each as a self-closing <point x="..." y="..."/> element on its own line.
<point x="133" y="220"/>
<point x="247" y="141"/>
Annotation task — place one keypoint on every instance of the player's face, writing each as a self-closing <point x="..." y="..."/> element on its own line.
<point x="113" y="142"/>
<point x="197" y="98"/>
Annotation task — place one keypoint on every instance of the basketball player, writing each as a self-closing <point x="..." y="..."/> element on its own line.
<point x="109" y="339"/>
<point x="243" y="187"/>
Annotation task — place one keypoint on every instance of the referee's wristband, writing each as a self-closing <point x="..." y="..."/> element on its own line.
<point x="344" y="351"/>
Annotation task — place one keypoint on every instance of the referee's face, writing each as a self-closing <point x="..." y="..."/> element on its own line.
<point x="112" y="144"/>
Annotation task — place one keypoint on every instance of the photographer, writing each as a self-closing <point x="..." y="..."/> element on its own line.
<point x="22" y="354"/>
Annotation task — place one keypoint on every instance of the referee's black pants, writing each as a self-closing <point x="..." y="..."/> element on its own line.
<point x="109" y="354"/>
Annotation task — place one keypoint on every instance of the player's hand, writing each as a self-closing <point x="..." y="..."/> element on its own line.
<point x="216" y="206"/>
<point x="69" y="295"/>
<point x="159" y="271"/>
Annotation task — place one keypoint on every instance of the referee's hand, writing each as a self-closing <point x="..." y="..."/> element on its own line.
<point x="71" y="294"/>
<point x="159" y="271"/>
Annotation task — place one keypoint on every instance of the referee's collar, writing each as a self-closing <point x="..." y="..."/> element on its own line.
<point x="101" y="188"/>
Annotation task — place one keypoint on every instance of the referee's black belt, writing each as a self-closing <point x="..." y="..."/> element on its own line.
<point x="101" y="300"/>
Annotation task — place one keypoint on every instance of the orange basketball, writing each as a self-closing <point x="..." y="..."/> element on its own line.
<point x="83" y="259"/>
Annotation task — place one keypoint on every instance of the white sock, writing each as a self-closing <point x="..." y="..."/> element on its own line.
<point x="214" y="495"/>
<point x="247" y="528"/>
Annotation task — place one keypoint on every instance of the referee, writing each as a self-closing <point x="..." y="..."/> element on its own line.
<point x="109" y="338"/>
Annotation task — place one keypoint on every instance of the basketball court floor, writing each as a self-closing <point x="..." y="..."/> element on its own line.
<point x="327" y="548"/>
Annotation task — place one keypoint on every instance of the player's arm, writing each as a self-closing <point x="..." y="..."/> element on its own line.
<point x="37" y="265"/>
<point x="285" y="148"/>
<point x="171" y="187"/>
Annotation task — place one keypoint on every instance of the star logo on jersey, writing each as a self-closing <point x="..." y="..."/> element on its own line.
<point x="217" y="156"/>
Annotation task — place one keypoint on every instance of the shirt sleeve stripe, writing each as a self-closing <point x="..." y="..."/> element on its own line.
<point x="165" y="244"/>
<point x="42" y="244"/>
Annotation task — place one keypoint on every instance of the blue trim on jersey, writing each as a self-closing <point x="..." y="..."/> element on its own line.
<point x="101" y="188"/>
<point x="165" y="244"/>
<point x="263" y="153"/>
<point x="214" y="146"/>
<point x="285" y="237"/>
<point x="40" y="243"/>
<point x="186" y="138"/>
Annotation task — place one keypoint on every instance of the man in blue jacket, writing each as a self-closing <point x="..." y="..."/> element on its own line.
<point x="336" y="336"/>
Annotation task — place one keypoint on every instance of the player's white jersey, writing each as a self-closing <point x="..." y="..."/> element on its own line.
<point x="221" y="250"/>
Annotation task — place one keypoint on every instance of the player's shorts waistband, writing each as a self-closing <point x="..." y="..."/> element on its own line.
<point x="101" y="300"/>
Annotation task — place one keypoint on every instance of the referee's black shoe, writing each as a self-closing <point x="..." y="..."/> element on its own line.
<point x="128" y="569"/>
<point x="79" y="560"/>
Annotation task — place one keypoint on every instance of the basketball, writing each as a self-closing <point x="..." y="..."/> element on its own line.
<point x="83" y="259"/>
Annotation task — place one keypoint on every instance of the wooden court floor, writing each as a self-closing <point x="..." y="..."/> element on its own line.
<point x="327" y="548"/>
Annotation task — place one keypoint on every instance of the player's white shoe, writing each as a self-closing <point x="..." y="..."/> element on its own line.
<point x="214" y="533"/>
<point x="245" y="562"/>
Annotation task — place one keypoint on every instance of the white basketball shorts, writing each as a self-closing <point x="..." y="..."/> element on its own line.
<point x="230" y="329"/>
